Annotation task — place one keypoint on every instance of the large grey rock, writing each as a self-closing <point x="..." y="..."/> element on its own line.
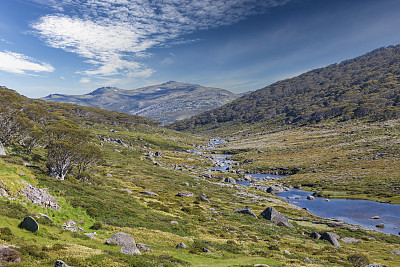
<point x="275" y="189"/>
<point x="395" y="252"/>
<point x="276" y="217"/>
<point x="2" y="151"/>
<point x="40" y="197"/>
<point x="349" y="240"/>
<point x="60" y="263"/>
<point x="9" y="255"/>
<point x="181" y="245"/>
<point x="144" y="247"/>
<point x="149" y="193"/>
<point x="70" y="225"/>
<point x="331" y="237"/>
<point x="245" y="210"/>
<point x="229" y="180"/>
<point x="126" y="241"/>
<point x="185" y="194"/>
<point x="30" y="224"/>
<point x="315" y="235"/>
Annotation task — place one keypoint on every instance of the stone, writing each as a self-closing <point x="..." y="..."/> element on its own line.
<point x="149" y="193"/>
<point x="204" y="198"/>
<point x="245" y="210"/>
<point x="70" y="225"/>
<point x="2" y="151"/>
<point x="373" y="265"/>
<point x="126" y="241"/>
<point x="349" y="240"/>
<point x="126" y="190"/>
<point x="158" y="154"/>
<point x="331" y="237"/>
<point x="275" y="189"/>
<point x="143" y="247"/>
<point x="375" y="217"/>
<point x="40" y="197"/>
<point x="9" y="255"/>
<point x="315" y="235"/>
<point x="185" y="194"/>
<point x="174" y="222"/>
<point x="276" y="217"/>
<point x="287" y="252"/>
<point x="205" y="250"/>
<point x="380" y="225"/>
<point x="395" y="252"/>
<point x="229" y="180"/>
<point x="91" y="235"/>
<point x="60" y="263"/>
<point x="45" y="216"/>
<point x="109" y="175"/>
<point x="310" y="197"/>
<point x="30" y="224"/>
<point x="305" y="259"/>
<point x="181" y="245"/>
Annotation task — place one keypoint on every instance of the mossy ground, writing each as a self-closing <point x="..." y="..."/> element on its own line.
<point x="233" y="239"/>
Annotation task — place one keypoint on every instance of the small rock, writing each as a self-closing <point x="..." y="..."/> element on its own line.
<point x="349" y="240"/>
<point x="275" y="189"/>
<point x="126" y="241"/>
<point x="9" y="255"/>
<point x="245" y="210"/>
<point x="305" y="259"/>
<point x="287" y="252"/>
<point x="70" y="226"/>
<point x="315" y="235"/>
<point x="395" y="252"/>
<point x="380" y="225"/>
<point x="310" y="197"/>
<point x="181" y="245"/>
<point x="261" y="265"/>
<point x="30" y="224"/>
<point x="373" y="265"/>
<point x="109" y="175"/>
<point x="276" y="217"/>
<point x="204" y="198"/>
<point x="174" y="222"/>
<point x="126" y="190"/>
<point x="185" y="194"/>
<point x="45" y="216"/>
<point x="375" y="217"/>
<point x="229" y="180"/>
<point x="149" y="193"/>
<point x="331" y="237"/>
<point x="91" y="235"/>
<point x="144" y="247"/>
<point x="327" y="200"/>
<point x="2" y="151"/>
<point x="205" y="250"/>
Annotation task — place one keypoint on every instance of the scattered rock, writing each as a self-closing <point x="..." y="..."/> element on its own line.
<point x="60" y="263"/>
<point x="149" y="193"/>
<point x="315" y="235"/>
<point x="205" y="250"/>
<point x="395" y="252"/>
<point x="8" y="255"/>
<point x="30" y="224"/>
<point x="3" y="192"/>
<point x="185" y="194"/>
<point x="126" y="241"/>
<point x="310" y="197"/>
<point x="287" y="252"/>
<point x="109" y="175"/>
<point x="40" y="197"/>
<point x="91" y="235"/>
<point x="158" y="154"/>
<point x="126" y="190"/>
<point x="181" y="245"/>
<point x="331" y="237"/>
<point x="229" y="180"/>
<point x="275" y="189"/>
<point x="174" y="222"/>
<point x="204" y="198"/>
<point x="143" y="247"/>
<point x="70" y="226"/>
<point x="245" y="210"/>
<point x="375" y="217"/>
<point x="349" y="240"/>
<point x="2" y="151"/>
<point x="380" y="225"/>
<point x="373" y="265"/>
<point x="276" y="217"/>
<point x="305" y="259"/>
<point x="45" y="216"/>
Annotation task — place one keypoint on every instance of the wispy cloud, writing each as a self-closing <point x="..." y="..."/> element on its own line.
<point x="114" y="35"/>
<point x="21" y="64"/>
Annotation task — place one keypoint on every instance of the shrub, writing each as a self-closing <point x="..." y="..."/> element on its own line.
<point x="96" y="226"/>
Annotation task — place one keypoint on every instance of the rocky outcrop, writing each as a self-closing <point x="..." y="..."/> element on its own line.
<point x="315" y="235"/>
<point x="126" y="241"/>
<point x="331" y="237"/>
<point x="185" y="194"/>
<point x="181" y="245"/>
<point x="30" y="224"/>
<point x="245" y="210"/>
<point x="275" y="189"/>
<point x="276" y="217"/>
<point x="40" y="197"/>
<point x="229" y="180"/>
<point x="70" y="226"/>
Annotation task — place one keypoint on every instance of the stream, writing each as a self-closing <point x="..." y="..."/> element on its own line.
<point x="351" y="211"/>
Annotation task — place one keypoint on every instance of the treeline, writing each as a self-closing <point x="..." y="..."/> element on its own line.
<point x="26" y="123"/>
<point x="364" y="87"/>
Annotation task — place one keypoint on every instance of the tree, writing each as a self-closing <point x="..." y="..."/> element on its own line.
<point x="87" y="156"/>
<point x="60" y="157"/>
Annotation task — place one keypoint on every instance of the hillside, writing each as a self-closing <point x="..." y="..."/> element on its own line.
<point x="144" y="181"/>
<point x="165" y="103"/>
<point x="364" y="87"/>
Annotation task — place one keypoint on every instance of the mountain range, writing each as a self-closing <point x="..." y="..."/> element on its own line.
<point x="165" y="102"/>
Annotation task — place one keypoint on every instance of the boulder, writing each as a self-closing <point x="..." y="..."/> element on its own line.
<point x="2" y="151"/>
<point x="205" y="250"/>
<point x="331" y="237"/>
<point x="380" y="225"/>
<point x="395" y="252"/>
<point x="144" y="247"/>
<point x="315" y="235"/>
<point x="149" y="193"/>
<point x="185" y="194"/>
<point x="60" y="263"/>
<point x="204" y="198"/>
<point x="310" y="197"/>
<point x="373" y="265"/>
<point x="229" y="180"/>
<point x="375" y="217"/>
<point x="30" y="224"/>
<point x="8" y="255"/>
<point x="126" y="241"/>
<point x="126" y="190"/>
<point x="245" y="210"/>
<point x="40" y="197"/>
<point x="275" y="189"/>
<point x="181" y="245"/>
<point x="174" y="222"/>
<point x="70" y="225"/>
<point x="349" y="240"/>
<point x="276" y="217"/>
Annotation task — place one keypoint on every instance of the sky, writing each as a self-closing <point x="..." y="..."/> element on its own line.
<point x="77" y="46"/>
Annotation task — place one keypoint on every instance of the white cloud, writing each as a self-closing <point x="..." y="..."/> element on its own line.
<point x="84" y="80"/>
<point x="21" y="64"/>
<point x="115" y="34"/>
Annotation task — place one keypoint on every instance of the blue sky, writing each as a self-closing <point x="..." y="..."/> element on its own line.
<point x="76" y="46"/>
